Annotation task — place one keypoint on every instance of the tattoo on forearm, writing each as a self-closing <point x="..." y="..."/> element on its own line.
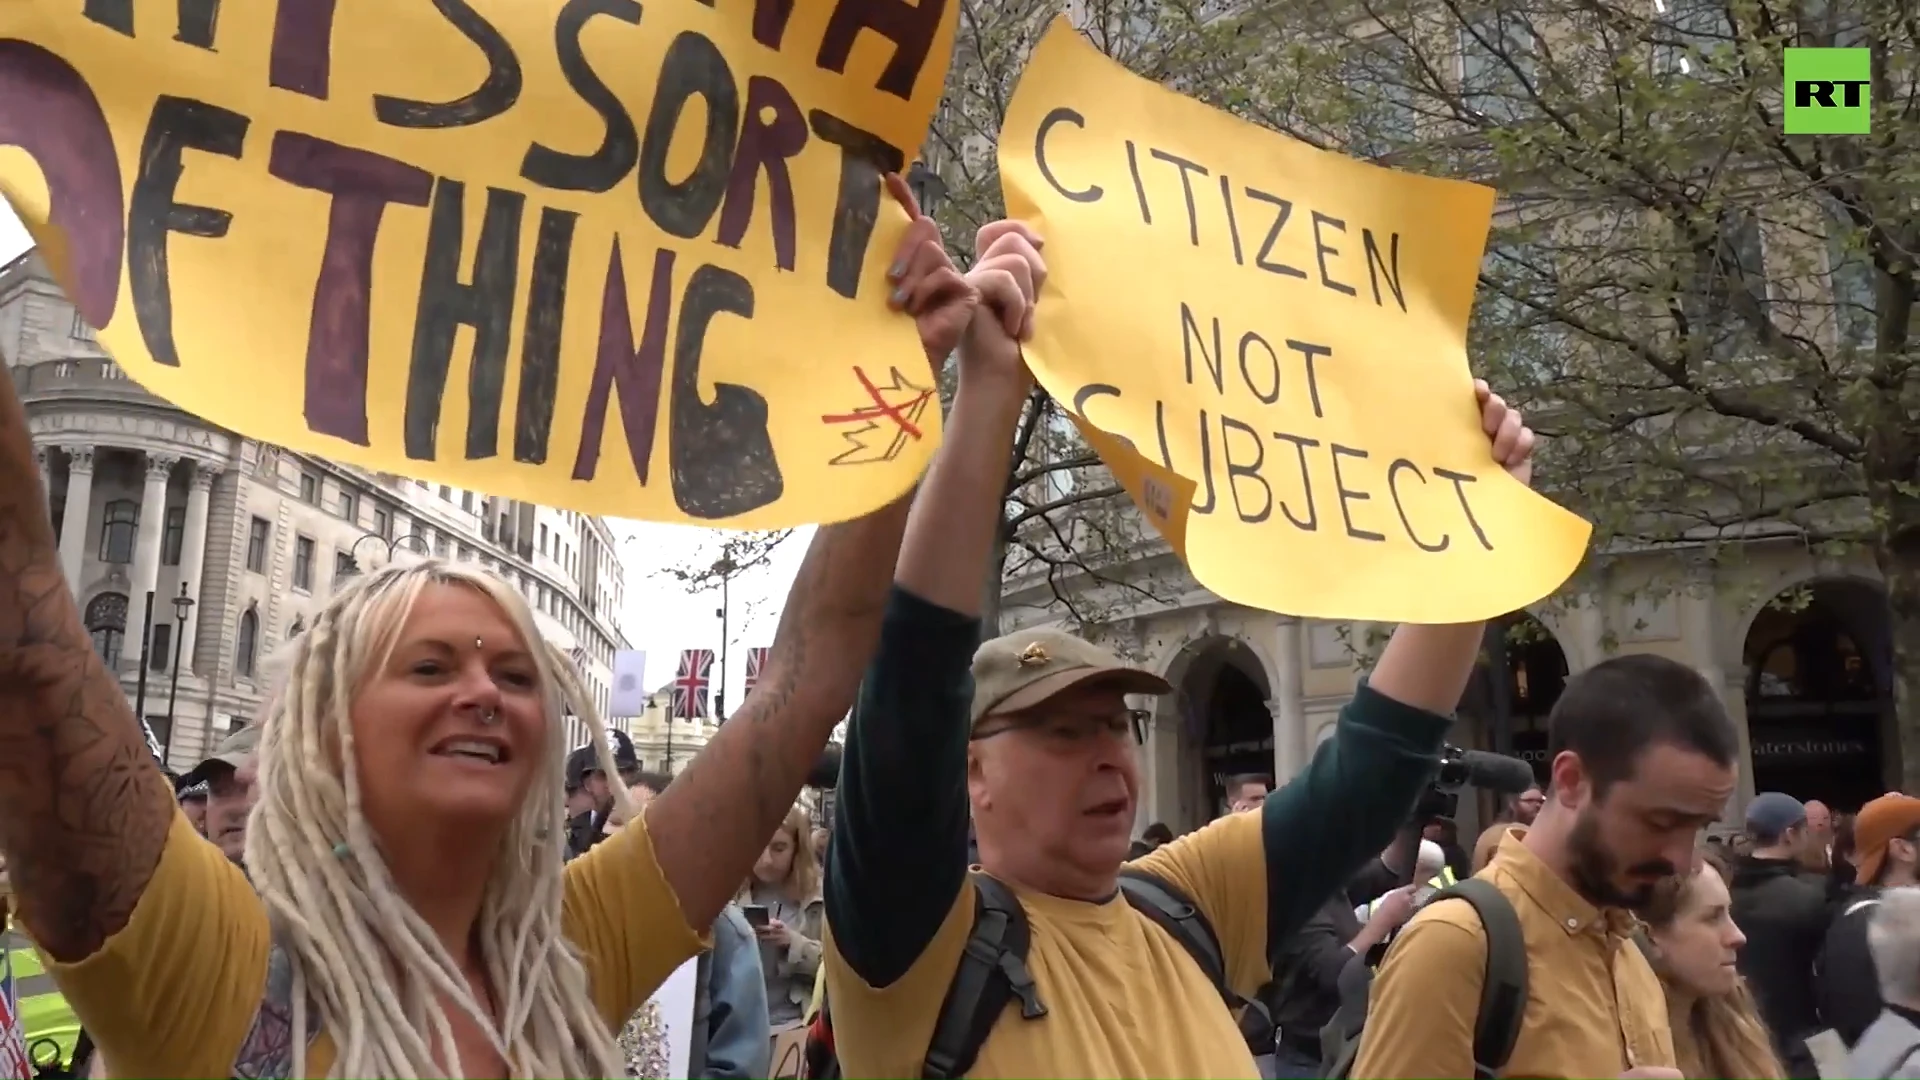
<point x="715" y="819"/>
<point x="84" y="810"/>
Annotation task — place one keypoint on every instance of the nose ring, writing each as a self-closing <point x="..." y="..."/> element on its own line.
<point x="490" y="717"/>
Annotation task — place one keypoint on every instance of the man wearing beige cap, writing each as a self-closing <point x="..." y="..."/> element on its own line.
<point x="1034" y="736"/>
<point x="1886" y="854"/>
<point x="228" y="773"/>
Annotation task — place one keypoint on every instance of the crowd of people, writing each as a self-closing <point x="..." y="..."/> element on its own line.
<point x="1763" y="945"/>
<point x="400" y="869"/>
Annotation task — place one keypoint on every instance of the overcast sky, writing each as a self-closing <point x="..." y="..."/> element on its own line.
<point x="661" y="617"/>
<point x="13" y="235"/>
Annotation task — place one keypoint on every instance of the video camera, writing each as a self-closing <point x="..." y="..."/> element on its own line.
<point x="1476" y="768"/>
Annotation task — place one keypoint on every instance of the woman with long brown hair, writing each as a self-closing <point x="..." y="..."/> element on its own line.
<point x="1693" y="943"/>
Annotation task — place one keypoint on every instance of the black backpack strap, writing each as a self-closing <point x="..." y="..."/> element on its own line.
<point x="1503" y="996"/>
<point x="992" y="971"/>
<point x="1176" y="913"/>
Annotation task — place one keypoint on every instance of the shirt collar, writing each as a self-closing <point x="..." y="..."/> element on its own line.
<point x="1570" y="911"/>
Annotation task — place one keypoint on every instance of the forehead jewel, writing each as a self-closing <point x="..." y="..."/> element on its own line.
<point x="1033" y="655"/>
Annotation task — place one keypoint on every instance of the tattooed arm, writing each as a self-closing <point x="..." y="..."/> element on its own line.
<point x="710" y="825"/>
<point x="898" y="859"/>
<point x="84" y="810"/>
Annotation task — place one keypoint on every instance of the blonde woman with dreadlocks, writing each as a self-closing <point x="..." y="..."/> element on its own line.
<point x="412" y="916"/>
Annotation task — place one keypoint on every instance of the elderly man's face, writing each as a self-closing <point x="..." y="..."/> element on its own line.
<point x="230" y="798"/>
<point x="1055" y="787"/>
<point x="196" y="811"/>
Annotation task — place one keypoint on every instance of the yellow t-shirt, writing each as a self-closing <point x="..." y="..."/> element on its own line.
<point x="819" y="992"/>
<point x="1123" y="997"/>
<point x="175" y="991"/>
<point x="1595" y="1008"/>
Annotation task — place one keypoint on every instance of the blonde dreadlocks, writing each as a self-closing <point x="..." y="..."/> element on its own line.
<point x="374" y="970"/>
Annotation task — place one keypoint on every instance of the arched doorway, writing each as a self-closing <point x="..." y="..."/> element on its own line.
<point x="1224" y="695"/>
<point x="1819" y="693"/>
<point x="1521" y="672"/>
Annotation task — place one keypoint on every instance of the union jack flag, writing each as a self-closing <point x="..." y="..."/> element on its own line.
<point x="756" y="662"/>
<point x="14" y="1063"/>
<point x="690" y="684"/>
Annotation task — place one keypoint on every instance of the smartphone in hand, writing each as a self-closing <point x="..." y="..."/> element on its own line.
<point x="757" y="916"/>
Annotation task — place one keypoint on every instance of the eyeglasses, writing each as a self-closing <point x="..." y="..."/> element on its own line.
<point x="1070" y="728"/>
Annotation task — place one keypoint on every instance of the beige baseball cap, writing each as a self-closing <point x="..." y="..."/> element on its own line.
<point x="1016" y="672"/>
<point x="231" y="752"/>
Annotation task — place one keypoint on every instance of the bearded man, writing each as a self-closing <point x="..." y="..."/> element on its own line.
<point x="1642" y="756"/>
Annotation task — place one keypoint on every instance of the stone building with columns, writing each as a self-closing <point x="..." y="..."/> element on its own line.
<point x="148" y="499"/>
<point x="666" y="742"/>
<point x="1799" y="646"/>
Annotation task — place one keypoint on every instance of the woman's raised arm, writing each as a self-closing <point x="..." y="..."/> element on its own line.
<point x="84" y="809"/>
<point x="712" y="822"/>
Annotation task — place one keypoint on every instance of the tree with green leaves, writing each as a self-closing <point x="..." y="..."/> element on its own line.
<point x="1710" y="317"/>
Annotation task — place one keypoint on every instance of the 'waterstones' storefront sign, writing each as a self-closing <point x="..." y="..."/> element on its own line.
<point x="1802" y="749"/>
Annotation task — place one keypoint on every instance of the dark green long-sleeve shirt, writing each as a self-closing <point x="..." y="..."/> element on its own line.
<point x="899" y="853"/>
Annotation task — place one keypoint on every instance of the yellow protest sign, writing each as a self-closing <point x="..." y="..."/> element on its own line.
<point x="1286" y="329"/>
<point x="552" y="251"/>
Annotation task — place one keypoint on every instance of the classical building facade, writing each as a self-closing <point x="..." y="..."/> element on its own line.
<point x="664" y="742"/>
<point x="150" y="500"/>
<point x="1800" y="648"/>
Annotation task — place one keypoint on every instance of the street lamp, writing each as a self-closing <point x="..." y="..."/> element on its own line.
<point x="927" y="187"/>
<point x="353" y="559"/>
<point x="146" y="661"/>
<point x="724" y="568"/>
<point x="182" y="607"/>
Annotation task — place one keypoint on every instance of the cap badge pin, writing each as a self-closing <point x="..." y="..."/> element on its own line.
<point x="1034" y="655"/>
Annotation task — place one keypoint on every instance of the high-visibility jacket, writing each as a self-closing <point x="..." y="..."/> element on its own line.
<point x="44" y="1012"/>
<point x="1444" y="879"/>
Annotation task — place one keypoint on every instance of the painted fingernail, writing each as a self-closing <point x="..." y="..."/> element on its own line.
<point x="897" y="271"/>
<point x="899" y="297"/>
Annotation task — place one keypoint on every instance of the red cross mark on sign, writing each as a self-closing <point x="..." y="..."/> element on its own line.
<point x="901" y="415"/>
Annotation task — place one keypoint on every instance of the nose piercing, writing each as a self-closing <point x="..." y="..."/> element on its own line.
<point x="479" y="645"/>
<point x="490" y="716"/>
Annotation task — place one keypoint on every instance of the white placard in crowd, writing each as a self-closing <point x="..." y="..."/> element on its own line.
<point x="663" y="1027"/>
<point x="629" y="697"/>
<point x="14" y="1062"/>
